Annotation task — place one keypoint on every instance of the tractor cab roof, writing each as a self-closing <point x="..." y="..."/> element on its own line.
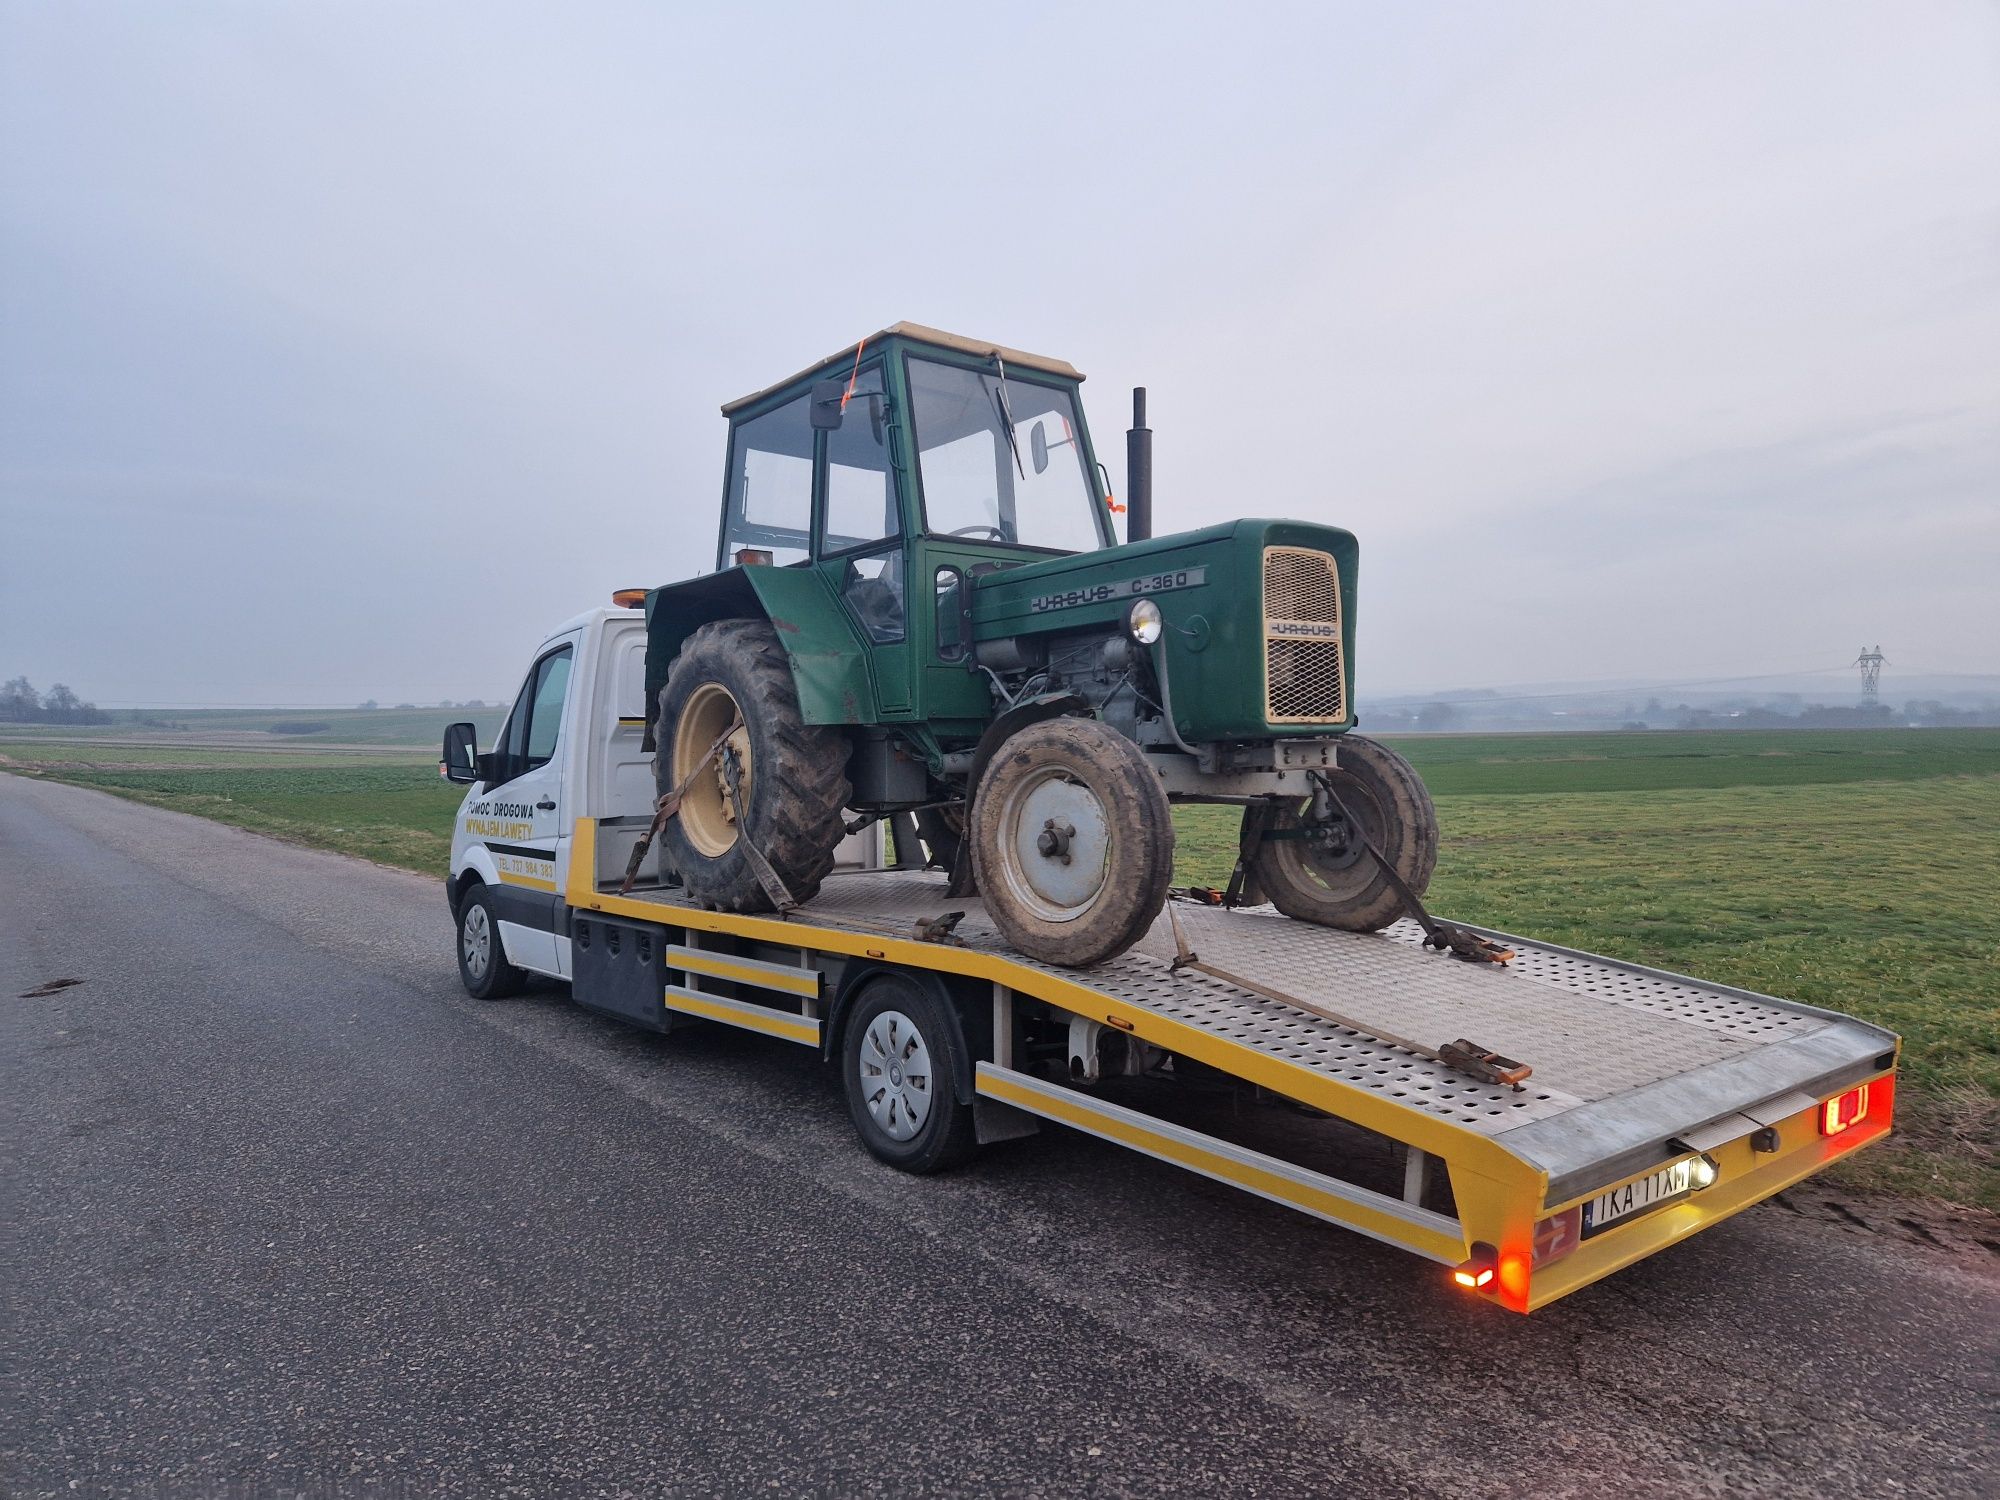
<point x="910" y="333"/>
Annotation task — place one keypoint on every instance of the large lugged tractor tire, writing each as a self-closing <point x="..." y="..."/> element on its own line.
<point x="794" y="780"/>
<point x="1330" y="879"/>
<point x="1072" y="841"/>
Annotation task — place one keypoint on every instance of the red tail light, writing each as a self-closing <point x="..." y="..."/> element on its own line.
<point x="1844" y="1111"/>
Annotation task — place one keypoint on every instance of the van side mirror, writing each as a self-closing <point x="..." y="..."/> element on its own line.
<point x="461" y="754"/>
<point x="826" y="400"/>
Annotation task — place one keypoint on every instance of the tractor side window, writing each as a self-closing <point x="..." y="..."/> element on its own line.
<point x="769" y="500"/>
<point x="873" y="589"/>
<point x="860" y="490"/>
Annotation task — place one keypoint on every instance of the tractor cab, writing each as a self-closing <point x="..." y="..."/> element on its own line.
<point x="912" y="454"/>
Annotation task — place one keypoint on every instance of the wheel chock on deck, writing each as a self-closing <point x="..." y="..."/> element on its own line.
<point x="1483" y="1064"/>
<point x="941" y="929"/>
<point x="1463" y="942"/>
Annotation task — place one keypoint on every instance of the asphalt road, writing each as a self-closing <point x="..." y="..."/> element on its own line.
<point x="290" y="1213"/>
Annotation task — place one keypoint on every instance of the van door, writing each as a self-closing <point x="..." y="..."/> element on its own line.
<point x="522" y="818"/>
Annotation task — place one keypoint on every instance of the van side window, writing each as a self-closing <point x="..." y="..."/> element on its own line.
<point x="768" y="503"/>
<point x="529" y="740"/>
<point x="545" y="718"/>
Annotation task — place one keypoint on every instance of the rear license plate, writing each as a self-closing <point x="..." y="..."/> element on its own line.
<point x="1640" y="1196"/>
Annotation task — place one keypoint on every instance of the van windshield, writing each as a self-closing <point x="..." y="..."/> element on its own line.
<point x="1034" y="490"/>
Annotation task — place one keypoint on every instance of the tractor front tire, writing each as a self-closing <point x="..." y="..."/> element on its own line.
<point x="793" y="774"/>
<point x="1072" y="841"/>
<point x="1331" y="880"/>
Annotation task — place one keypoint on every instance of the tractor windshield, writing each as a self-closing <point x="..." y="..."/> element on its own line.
<point x="1002" y="464"/>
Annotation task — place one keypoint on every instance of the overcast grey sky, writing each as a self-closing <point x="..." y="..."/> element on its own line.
<point x="348" y="346"/>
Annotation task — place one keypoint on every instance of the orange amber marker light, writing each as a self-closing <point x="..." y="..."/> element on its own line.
<point x="1844" y="1111"/>
<point x="628" y="598"/>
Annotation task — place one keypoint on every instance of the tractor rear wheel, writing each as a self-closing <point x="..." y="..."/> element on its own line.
<point x="792" y="775"/>
<point x="1072" y="841"/>
<point x="1321" y="873"/>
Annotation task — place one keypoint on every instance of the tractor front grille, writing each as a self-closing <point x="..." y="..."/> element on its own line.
<point x="1305" y="679"/>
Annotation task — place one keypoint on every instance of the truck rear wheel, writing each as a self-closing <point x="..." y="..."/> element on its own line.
<point x="1072" y="841"/>
<point x="793" y="780"/>
<point x="1326" y="876"/>
<point x="899" y="1053"/>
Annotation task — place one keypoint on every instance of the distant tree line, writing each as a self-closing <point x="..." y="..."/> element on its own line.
<point x="1476" y="714"/>
<point x="21" y="704"/>
<point x="372" y="705"/>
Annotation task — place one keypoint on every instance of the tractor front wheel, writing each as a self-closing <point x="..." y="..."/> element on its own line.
<point x="1318" y="871"/>
<point x="1072" y="841"/>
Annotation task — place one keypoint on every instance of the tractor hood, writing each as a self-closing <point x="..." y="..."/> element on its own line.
<point x="1222" y="643"/>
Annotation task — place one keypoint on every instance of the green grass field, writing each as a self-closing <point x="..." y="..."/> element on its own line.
<point x="1854" y="870"/>
<point x="402" y="727"/>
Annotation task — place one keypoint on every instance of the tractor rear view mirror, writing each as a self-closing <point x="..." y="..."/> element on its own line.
<point x="1038" y="446"/>
<point x="461" y="754"/>
<point x="826" y="401"/>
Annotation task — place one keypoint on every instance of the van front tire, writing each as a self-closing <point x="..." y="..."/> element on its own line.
<point x="482" y="954"/>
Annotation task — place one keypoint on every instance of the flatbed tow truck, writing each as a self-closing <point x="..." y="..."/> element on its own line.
<point x="1604" y="1112"/>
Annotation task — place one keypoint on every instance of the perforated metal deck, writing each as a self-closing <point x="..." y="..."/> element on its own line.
<point x="1594" y="1030"/>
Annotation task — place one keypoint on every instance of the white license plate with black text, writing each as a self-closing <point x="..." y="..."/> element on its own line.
<point x="1641" y="1195"/>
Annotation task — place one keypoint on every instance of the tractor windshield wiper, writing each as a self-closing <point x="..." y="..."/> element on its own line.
<point x="1007" y="415"/>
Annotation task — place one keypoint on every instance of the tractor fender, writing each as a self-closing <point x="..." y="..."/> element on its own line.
<point x="1031" y="711"/>
<point x="830" y="661"/>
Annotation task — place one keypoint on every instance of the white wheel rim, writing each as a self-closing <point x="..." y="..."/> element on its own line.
<point x="477" y="940"/>
<point x="894" y="1070"/>
<point x="1055" y="845"/>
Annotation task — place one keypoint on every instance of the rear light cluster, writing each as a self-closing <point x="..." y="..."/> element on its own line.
<point x="1844" y="1111"/>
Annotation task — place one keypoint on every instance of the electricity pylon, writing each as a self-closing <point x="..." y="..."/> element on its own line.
<point x="1870" y="663"/>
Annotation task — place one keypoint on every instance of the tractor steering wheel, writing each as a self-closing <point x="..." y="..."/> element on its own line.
<point x="997" y="534"/>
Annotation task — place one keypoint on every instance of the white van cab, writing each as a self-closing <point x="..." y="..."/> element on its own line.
<point x="573" y="746"/>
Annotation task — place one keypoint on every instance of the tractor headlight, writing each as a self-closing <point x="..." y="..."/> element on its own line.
<point x="1143" y="623"/>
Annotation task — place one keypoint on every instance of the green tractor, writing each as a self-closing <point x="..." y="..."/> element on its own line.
<point x="921" y="612"/>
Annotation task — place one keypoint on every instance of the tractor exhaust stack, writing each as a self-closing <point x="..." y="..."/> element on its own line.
<point x="1138" y="472"/>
